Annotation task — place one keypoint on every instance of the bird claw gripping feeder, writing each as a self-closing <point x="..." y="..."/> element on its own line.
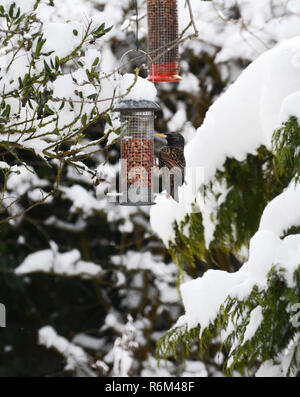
<point x="163" y="40"/>
<point x="137" y="151"/>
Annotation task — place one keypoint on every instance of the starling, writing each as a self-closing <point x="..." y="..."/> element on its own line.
<point x="171" y="156"/>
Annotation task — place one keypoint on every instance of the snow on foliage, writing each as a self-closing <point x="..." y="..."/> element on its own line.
<point x="256" y="318"/>
<point x="51" y="261"/>
<point x="204" y="297"/>
<point x="277" y="220"/>
<point x="238" y="123"/>
<point x="52" y="90"/>
<point x="76" y="357"/>
<point x="270" y="369"/>
<point x="164" y="274"/>
<point x="242" y="29"/>
<point x="123" y="351"/>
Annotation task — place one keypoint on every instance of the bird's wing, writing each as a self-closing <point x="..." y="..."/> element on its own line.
<point x="172" y="157"/>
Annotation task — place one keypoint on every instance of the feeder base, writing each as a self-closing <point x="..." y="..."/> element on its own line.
<point x="137" y="204"/>
<point x="164" y="72"/>
<point x="164" y="79"/>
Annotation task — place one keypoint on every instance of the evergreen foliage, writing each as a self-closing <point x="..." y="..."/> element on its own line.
<point x="253" y="183"/>
<point x="286" y="142"/>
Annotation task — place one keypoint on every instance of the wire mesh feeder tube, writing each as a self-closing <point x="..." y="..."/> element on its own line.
<point x="137" y="151"/>
<point x="163" y="40"/>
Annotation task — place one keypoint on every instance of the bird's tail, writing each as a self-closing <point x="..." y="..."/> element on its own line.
<point x="173" y="191"/>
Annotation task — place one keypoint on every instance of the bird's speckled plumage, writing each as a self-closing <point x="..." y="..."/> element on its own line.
<point x="172" y="155"/>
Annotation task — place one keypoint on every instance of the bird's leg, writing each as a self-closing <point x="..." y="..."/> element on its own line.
<point x="156" y="163"/>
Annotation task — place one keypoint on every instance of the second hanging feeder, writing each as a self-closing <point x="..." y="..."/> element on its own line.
<point x="137" y="151"/>
<point x="163" y="40"/>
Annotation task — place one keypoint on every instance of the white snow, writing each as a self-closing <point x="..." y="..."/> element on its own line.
<point x="78" y="226"/>
<point x="178" y="120"/>
<point x="123" y="351"/>
<point x="62" y="48"/>
<point x="112" y="137"/>
<point x="81" y="199"/>
<point x="51" y="261"/>
<point x="189" y="84"/>
<point x="141" y="88"/>
<point x="74" y="355"/>
<point x="5" y="166"/>
<point x="163" y="215"/>
<point x="26" y="179"/>
<point x="88" y="342"/>
<point x="164" y="274"/>
<point x="269" y="370"/>
<point x="256" y="318"/>
<point x="203" y="296"/>
<point x="290" y="107"/>
<point x="283" y="211"/>
<point x="39" y="194"/>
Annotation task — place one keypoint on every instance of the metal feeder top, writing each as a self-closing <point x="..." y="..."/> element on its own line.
<point x="131" y="104"/>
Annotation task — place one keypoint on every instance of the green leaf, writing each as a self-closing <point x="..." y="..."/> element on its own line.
<point x="57" y="63"/>
<point x="47" y="68"/>
<point x="11" y="10"/>
<point x="89" y="75"/>
<point x="96" y="61"/>
<point x="99" y="32"/>
<point x="92" y="96"/>
<point x="108" y="119"/>
<point x="39" y="46"/>
<point x="6" y="111"/>
<point x="84" y="120"/>
<point x="62" y="105"/>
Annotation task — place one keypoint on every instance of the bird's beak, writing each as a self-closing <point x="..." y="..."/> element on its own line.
<point x="161" y="135"/>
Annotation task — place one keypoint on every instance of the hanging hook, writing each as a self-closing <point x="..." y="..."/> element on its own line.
<point x="125" y="54"/>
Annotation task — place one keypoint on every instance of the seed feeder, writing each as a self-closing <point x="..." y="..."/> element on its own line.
<point x="163" y="40"/>
<point x="137" y="151"/>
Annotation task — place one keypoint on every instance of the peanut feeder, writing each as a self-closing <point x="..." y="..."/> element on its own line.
<point x="163" y="40"/>
<point x="137" y="151"/>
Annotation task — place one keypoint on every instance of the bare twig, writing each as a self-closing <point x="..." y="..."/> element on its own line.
<point x="192" y="17"/>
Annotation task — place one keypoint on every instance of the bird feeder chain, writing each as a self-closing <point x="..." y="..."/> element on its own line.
<point x="137" y="26"/>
